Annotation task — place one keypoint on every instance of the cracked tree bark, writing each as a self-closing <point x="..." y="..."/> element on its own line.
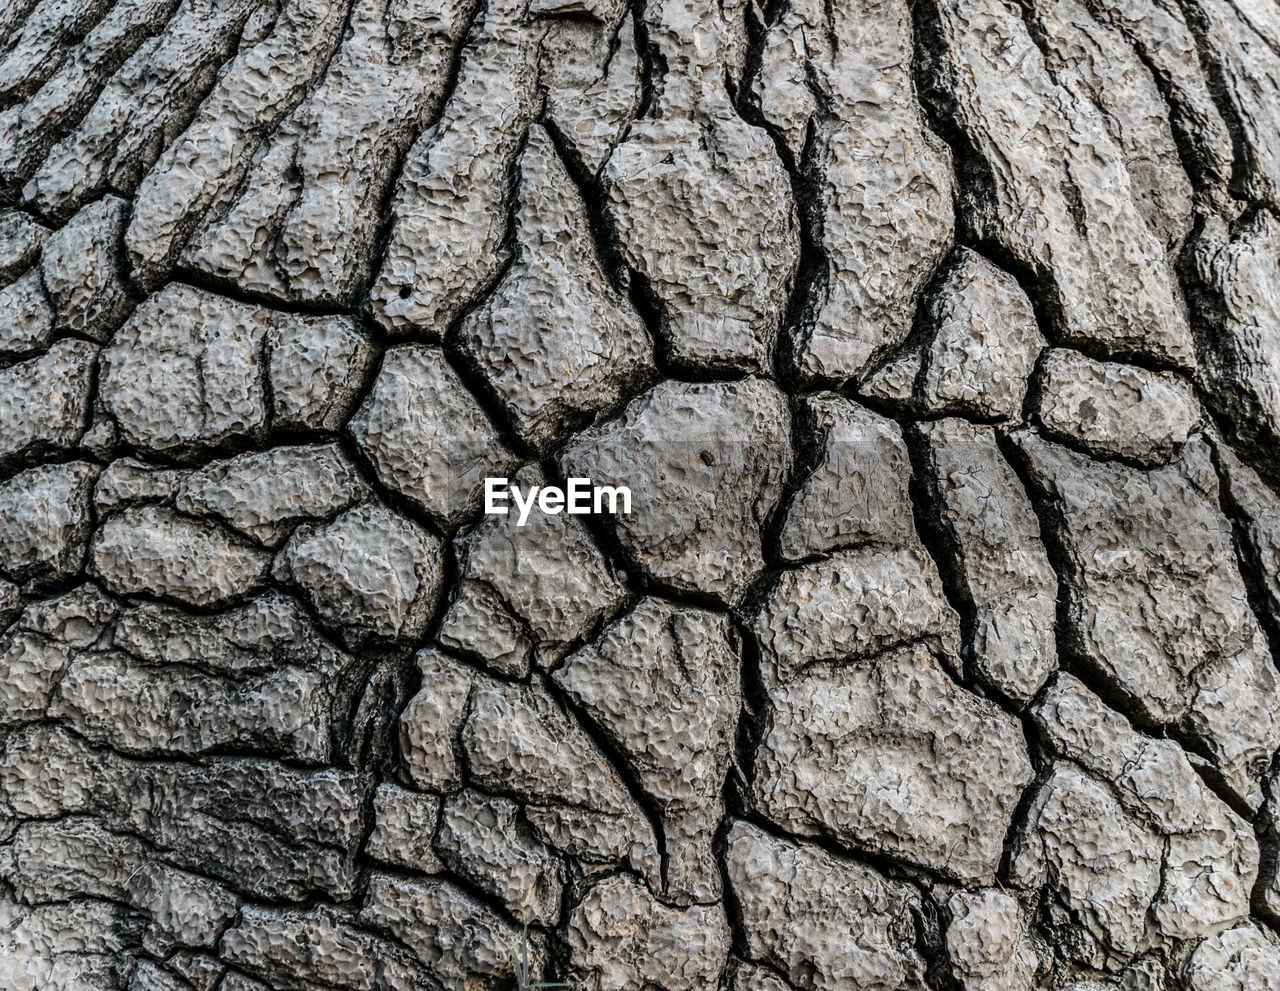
<point x="938" y="342"/>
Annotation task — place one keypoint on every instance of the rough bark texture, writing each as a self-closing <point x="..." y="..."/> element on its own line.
<point x="939" y="342"/>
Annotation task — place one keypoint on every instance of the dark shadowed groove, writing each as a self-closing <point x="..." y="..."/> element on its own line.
<point x="64" y="49"/>
<point x="752" y="721"/>
<point x="653" y="64"/>
<point x="886" y="865"/>
<point x="1038" y="753"/>
<point x="930" y="943"/>
<point x="1193" y="159"/>
<point x="1268" y="836"/>
<point x="928" y="936"/>
<point x="1248" y="561"/>
<point x="1052" y="523"/>
<point x="813" y="268"/>
<point x="559" y="955"/>
<point x="624" y="278"/>
<point x="974" y="186"/>
<point x="386" y="212"/>
<point x="174" y="270"/>
<point x="151" y="153"/>
<point x="590" y="187"/>
<point x="941" y="545"/>
<point x="1217" y="384"/>
<point x="54" y="224"/>
<point x="809" y="281"/>
<point x="1242" y="160"/>
<point x="1251" y="569"/>
<point x="459" y="754"/>
<point x="974" y="180"/>
<point x="380" y="752"/>
<point x="621" y="764"/>
<point x="20" y="12"/>
<point x="11" y="194"/>
<point x="928" y="512"/>
<point x="806" y="445"/>
<point x="740" y="944"/>
<point x="1072" y="656"/>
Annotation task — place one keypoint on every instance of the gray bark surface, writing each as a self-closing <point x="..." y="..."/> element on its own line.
<point x="938" y="342"/>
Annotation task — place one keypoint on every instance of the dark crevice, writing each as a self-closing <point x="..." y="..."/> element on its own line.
<point x="809" y="282"/>
<point x="1038" y="751"/>
<point x="885" y="865"/>
<point x="930" y="944"/>
<point x="624" y="279"/>
<point x="1243" y="159"/>
<point x="1252" y="572"/>
<point x="385" y="211"/>
<point x="813" y="270"/>
<point x="457" y="353"/>
<point x="14" y="21"/>
<point x="122" y="177"/>
<point x="590" y="187"/>
<point x="1221" y="383"/>
<point x="1073" y="656"/>
<point x="1196" y="163"/>
<point x="1267" y="828"/>
<point x="929" y="512"/>
<point x="241" y="175"/>
<point x="1249" y="563"/>
<point x="128" y="43"/>
<point x="232" y="289"/>
<point x="807" y="443"/>
<point x="974" y="191"/>
<point x="621" y="764"/>
<point x="752" y="722"/>
<point x="738" y="929"/>
<point x="653" y="64"/>
<point x="975" y="182"/>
